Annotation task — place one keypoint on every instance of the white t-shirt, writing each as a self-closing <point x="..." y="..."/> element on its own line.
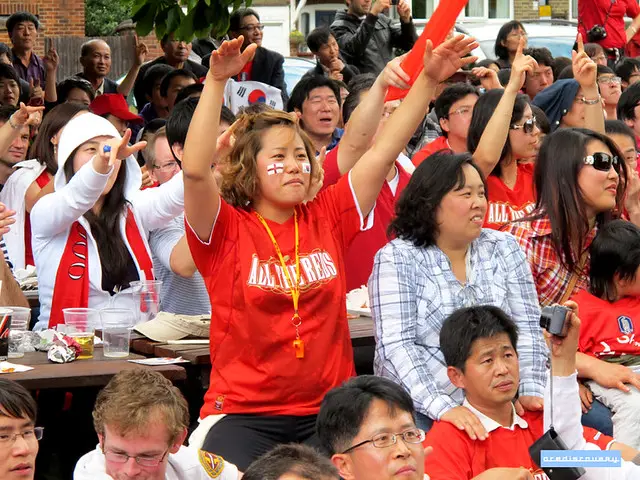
<point x="187" y="464"/>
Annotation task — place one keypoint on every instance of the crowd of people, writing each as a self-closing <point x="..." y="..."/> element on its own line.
<point x="492" y="189"/>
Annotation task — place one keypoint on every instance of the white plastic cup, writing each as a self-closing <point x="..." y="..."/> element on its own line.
<point x="116" y="331"/>
<point x="146" y="299"/>
<point x="80" y="324"/>
<point x="19" y="324"/>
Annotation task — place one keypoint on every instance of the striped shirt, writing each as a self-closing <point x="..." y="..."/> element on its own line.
<point x="179" y="295"/>
<point x="413" y="290"/>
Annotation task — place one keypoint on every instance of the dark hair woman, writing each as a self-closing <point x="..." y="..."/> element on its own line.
<point x="90" y="235"/>
<point x="507" y="41"/>
<point x="442" y="260"/>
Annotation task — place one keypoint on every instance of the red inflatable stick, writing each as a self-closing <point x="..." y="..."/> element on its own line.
<point x="436" y="30"/>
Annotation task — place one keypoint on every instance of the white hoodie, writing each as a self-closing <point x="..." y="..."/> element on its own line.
<point x="13" y="195"/>
<point x="54" y="214"/>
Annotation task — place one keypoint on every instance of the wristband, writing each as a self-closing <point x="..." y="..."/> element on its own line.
<point x="595" y="101"/>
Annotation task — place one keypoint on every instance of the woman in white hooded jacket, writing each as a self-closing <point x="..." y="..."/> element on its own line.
<point x="90" y="236"/>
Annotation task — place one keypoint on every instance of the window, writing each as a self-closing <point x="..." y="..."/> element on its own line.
<point x="489" y="9"/>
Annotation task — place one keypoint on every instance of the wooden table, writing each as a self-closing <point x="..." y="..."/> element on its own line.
<point x="361" y="330"/>
<point x="94" y="372"/>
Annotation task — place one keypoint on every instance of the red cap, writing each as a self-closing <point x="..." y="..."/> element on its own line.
<point x="116" y="105"/>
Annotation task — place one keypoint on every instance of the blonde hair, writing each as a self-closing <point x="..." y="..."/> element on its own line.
<point x="136" y="398"/>
<point x="239" y="173"/>
<point x="150" y="150"/>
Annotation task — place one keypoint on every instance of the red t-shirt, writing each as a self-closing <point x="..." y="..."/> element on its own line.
<point x="440" y="143"/>
<point x="245" y="73"/>
<point x="506" y="205"/>
<point x="42" y="181"/>
<point x="456" y="457"/>
<point x="608" y="329"/>
<point x="592" y="12"/>
<point x="360" y="255"/>
<point x="254" y="368"/>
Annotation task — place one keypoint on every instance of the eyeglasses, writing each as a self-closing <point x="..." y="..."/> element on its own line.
<point x="142" y="460"/>
<point x="383" y="440"/>
<point x="527" y="126"/>
<point x="516" y="34"/>
<point x="28" y="435"/>
<point x="462" y="111"/>
<point x="167" y="167"/>
<point x="252" y="28"/>
<point x="608" y="80"/>
<point x="599" y="58"/>
<point x="602" y="161"/>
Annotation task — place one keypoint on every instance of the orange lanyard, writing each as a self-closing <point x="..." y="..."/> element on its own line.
<point x="296" y="321"/>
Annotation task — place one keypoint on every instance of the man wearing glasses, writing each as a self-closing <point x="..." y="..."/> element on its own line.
<point x="18" y="434"/>
<point x="141" y="420"/>
<point x="267" y="65"/>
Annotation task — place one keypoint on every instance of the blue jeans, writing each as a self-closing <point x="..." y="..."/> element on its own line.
<point x="599" y="418"/>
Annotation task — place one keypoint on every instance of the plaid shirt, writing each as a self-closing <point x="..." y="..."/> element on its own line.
<point x="413" y="290"/>
<point x="550" y="276"/>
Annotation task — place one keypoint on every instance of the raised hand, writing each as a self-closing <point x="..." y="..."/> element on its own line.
<point x="51" y="60"/>
<point x="380" y="6"/>
<point x="404" y="11"/>
<point x="36" y="89"/>
<point x="124" y="150"/>
<point x="316" y="184"/>
<point x="488" y="77"/>
<point x="227" y="61"/>
<point x="394" y="76"/>
<point x="585" y="70"/>
<point x="140" y="52"/>
<point x="522" y="64"/>
<point x="447" y="58"/>
<point x="7" y="218"/>
<point x="27" y="115"/>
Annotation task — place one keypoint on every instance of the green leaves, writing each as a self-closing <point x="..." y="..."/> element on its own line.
<point x="185" y="19"/>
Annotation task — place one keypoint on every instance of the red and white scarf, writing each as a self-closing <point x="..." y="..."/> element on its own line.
<point x="71" y="289"/>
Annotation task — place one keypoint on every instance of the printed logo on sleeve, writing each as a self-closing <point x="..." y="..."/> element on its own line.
<point x="213" y="464"/>
<point x="625" y="324"/>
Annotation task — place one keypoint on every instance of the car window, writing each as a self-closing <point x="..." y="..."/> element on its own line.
<point x="559" y="46"/>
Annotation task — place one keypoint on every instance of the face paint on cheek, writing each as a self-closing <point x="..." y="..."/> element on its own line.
<point x="306" y="167"/>
<point x="275" y="168"/>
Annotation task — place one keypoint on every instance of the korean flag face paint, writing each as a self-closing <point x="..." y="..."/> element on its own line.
<point x="306" y="167"/>
<point x="275" y="168"/>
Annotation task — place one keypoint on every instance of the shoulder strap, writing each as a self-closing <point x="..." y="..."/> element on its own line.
<point x="606" y="18"/>
<point x="574" y="278"/>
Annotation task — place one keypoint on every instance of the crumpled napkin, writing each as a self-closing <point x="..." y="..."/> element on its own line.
<point x="27" y="277"/>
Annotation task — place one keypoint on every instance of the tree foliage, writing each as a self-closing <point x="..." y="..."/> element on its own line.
<point x="103" y="16"/>
<point x="186" y="19"/>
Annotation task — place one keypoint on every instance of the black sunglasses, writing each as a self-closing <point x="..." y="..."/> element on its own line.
<point x="527" y="127"/>
<point x="602" y="161"/>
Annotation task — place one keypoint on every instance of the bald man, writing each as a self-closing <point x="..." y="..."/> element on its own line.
<point x="95" y="58"/>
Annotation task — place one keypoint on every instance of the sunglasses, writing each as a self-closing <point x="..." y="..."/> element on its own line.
<point x="602" y="161"/>
<point x="527" y="127"/>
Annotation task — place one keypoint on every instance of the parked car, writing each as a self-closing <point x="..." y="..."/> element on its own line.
<point x="294" y="69"/>
<point x="557" y="35"/>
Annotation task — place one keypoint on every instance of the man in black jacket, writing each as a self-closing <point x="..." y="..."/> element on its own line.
<point x="267" y="65"/>
<point x="367" y="37"/>
<point x="329" y="63"/>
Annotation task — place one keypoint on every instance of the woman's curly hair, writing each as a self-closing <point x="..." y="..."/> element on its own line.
<point x="417" y="208"/>
<point x="239" y="173"/>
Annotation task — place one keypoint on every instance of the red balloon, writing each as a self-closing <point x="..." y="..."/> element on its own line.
<point x="436" y="30"/>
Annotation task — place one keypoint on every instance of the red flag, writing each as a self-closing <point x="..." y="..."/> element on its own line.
<point x="436" y="30"/>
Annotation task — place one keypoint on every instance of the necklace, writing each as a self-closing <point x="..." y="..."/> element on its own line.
<point x="296" y="321"/>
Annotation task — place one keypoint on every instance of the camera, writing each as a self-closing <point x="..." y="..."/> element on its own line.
<point x="596" y="33"/>
<point x="554" y="320"/>
<point x="394" y="2"/>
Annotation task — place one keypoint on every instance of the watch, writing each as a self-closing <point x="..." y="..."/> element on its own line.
<point x="595" y="101"/>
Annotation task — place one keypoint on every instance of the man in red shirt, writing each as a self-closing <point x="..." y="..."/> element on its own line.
<point x="454" y="108"/>
<point x="478" y="344"/>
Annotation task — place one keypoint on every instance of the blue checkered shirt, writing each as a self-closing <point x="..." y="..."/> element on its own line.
<point x="413" y="290"/>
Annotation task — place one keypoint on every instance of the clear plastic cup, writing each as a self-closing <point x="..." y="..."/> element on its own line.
<point x="80" y="324"/>
<point x="19" y="324"/>
<point x="116" y="331"/>
<point x="146" y="299"/>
